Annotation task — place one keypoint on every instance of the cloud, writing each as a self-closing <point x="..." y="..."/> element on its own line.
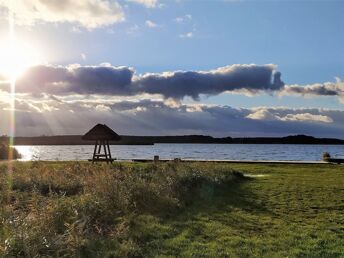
<point x="123" y="81"/>
<point x="262" y="114"/>
<point x="90" y="14"/>
<point x="307" y="117"/>
<point x="133" y="29"/>
<point x="158" y="117"/>
<point x="318" y="89"/>
<point x="270" y="115"/>
<point x="187" y="35"/>
<point x="58" y="80"/>
<point x="180" y="84"/>
<point x="183" y="19"/>
<point x="151" y="24"/>
<point x="146" y="3"/>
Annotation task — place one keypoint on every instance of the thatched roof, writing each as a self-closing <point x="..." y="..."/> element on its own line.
<point x="101" y="132"/>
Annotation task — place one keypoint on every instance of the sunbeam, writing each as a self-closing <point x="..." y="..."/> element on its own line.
<point x="12" y="95"/>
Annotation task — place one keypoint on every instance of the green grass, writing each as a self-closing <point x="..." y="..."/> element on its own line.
<point x="171" y="210"/>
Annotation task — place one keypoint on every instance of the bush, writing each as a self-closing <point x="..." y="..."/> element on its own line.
<point x="5" y="150"/>
<point x="326" y="156"/>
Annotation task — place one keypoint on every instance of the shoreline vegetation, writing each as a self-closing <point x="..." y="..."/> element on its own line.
<point x="150" y="140"/>
<point x="5" y="151"/>
<point x="76" y="209"/>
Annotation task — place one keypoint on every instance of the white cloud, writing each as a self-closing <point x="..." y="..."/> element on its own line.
<point x="83" y="56"/>
<point x="307" y="117"/>
<point x="262" y="114"/>
<point x="90" y="14"/>
<point x="279" y="114"/>
<point x="102" y="107"/>
<point x="151" y="24"/>
<point x="146" y="3"/>
<point x="183" y="19"/>
<point x="187" y="35"/>
<point x="133" y="29"/>
<point x="76" y="29"/>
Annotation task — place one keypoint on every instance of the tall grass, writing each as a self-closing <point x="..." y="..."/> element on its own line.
<point x="83" y="210"/>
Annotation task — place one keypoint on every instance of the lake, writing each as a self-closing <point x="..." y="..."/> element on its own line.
<point x="187" y="151"/>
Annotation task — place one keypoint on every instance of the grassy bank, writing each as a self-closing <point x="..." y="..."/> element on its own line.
<point x="167" y="210"/>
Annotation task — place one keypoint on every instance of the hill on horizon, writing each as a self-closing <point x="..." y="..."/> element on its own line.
<point x="149" y="140"/>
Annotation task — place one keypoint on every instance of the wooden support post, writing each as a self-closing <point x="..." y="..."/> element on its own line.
<point x="98" y="155"/>
<point x="94" y="152"/>
<point x="105" y="151"/>
<point x="100" y="145"/>
<point x="108" y="146"/>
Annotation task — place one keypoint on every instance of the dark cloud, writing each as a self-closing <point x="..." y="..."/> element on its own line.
<point x="318" y="89"/>
<point x="230" y="78"/>
<point x="121" y="81"/>
<point x="106" y="80"/>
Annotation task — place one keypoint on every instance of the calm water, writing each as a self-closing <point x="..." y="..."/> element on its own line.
<point x="187" y="151"/>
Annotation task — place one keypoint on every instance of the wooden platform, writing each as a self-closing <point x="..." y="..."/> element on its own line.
<point x="103" y="160"/>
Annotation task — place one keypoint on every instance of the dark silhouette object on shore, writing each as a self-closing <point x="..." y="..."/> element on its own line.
<point x="5" y="151"/>
<point x="102" y="134"/>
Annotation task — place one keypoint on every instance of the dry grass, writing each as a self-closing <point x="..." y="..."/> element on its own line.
<point x="73" y="209"/>
<point x="83" y="210"/>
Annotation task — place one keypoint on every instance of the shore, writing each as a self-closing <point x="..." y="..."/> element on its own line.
<point x="129" y="209"/>
<point x="305" y="162"/>
<point x="177" y="139"/>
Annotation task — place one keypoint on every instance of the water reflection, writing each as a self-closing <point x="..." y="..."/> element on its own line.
<point x="28" y="152"/>
<point x="191" y="151"/>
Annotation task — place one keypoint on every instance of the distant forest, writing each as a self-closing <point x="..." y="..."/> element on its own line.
<point x="150" y="140"/>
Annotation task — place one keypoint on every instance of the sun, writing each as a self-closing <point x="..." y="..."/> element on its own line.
<point x="15" y="57"/>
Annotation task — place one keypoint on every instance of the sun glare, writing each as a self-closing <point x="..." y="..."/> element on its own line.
<point x="16" y="57"/>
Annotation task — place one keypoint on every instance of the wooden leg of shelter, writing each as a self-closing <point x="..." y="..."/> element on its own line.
<point x="97" y="153"/>
<point x="94" y="152"/>
<point x="108" y="146"/>
<point x="106" y="154"/>
<point x="99" y="148"/>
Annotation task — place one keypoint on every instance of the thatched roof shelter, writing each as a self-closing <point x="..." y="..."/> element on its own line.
<point x="101" y="132"/>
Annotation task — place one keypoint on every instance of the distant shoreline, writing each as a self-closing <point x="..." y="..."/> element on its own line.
<point x="150" y="140"/>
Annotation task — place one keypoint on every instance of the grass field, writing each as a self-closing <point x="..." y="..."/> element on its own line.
<point x="171" y="210"/>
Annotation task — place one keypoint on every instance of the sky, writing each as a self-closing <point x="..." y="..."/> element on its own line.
<point x="172" y="67"/>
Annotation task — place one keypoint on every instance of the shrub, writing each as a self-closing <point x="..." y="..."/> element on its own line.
<point x="326" y="156"/>
<point x="5" y="150"/>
